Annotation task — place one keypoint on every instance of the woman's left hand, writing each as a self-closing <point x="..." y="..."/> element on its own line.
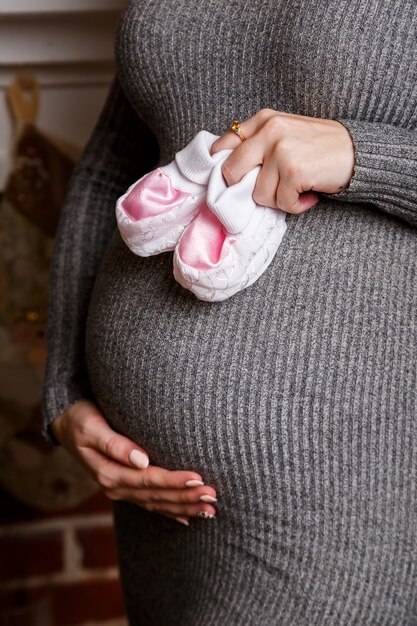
<point x="299" y="155"/>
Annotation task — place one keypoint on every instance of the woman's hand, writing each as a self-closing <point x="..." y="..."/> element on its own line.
<point x="299" y="155"/>
<point x="122" y="469"/>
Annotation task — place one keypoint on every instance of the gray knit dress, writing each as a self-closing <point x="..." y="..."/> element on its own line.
<point x="297" y="397"/>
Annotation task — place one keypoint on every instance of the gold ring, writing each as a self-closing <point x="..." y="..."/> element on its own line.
<point x="235" y="127"/>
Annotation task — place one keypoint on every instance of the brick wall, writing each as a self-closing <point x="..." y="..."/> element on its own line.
<point x="62" y="566"/>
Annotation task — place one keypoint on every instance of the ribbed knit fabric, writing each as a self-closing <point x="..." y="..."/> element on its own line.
<point x="297" y="397"/>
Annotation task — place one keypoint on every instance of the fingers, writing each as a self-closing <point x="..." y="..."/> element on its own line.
<point x="111" y="474"/>
<point x="271" y="188"/>
<point x="175" y="496"/>
<point x="289" y="199"/>
<point x="262" y="131"/>
<point x="242" y="160"/>
<point x="230" y="140"/>
<point x="106" y="455"/>
<point x="104" y="447"/>
<point x="248" y="154"/>
<point x="172" y="508"/>
<point x="114" y="445"/>
<point x="296" y="153"/>
<point x="164" y="480"/>
<point x="278" y="182"/>
<point x="154" y="488"/>
<point x="183" y="519"/>
<point x="285" y="167"/>
<point x="93" y="430"/>
<point x="307" y="200"/>
<point x="265" y="191"/>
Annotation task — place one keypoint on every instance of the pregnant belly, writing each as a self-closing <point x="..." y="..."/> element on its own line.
<point x="313" y="357"/>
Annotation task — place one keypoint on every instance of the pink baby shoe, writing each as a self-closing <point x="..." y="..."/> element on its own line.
<point x="222" y="240"/>
<point x="155" y="210"/>
<point x="232" y="240"/>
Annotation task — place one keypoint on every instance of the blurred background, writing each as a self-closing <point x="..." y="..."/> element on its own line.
<point x="58" y="562"/>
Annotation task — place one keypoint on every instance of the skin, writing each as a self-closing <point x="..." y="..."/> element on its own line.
<point x="299" y="157"/>
<point x="84" y="432"/>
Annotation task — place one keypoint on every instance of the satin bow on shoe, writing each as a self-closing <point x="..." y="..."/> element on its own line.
<point x="222" y="240"/>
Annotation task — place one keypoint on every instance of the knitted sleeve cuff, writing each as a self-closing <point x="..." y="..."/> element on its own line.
<point x="385" y="171"/>
<point x="120" y="149"/>
<point x="55" y="400"/>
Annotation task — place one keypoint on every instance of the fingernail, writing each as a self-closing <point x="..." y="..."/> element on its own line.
<point x="193" y="483"/>
<point x="139" y="459"/>
<point x="207" y="498"/>
<point x="183" y="520"/>
<point x="205" y="514"/>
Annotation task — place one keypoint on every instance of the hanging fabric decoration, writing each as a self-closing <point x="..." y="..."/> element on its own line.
<point x="33" y="471"/>
<point x="43" y="164"/>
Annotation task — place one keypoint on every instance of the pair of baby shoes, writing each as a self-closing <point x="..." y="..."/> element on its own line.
<point x="222" y="240"/>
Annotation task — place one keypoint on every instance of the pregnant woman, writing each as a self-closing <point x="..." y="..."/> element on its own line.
<point x="292" y="405"/>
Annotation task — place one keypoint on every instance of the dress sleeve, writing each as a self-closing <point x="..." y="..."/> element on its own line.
<point x="120" y="150"/>
<point x="385" y="173"/>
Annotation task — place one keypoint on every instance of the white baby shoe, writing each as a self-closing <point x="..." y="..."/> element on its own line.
<point x="232" y="240"/>
<point x="222" y="240"/>
<point x="155" y="210"/>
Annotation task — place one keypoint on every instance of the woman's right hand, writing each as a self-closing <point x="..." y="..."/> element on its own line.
<point x="107" y="456"/>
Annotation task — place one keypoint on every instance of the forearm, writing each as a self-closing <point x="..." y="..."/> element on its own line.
<point x="121" y="149"/>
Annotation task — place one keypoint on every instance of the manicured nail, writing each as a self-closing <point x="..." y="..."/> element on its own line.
<point x="207" y="498"/>
<point x="205" y="514"/>
<point x="183" y="520"/>
<point x="193" y="483"/>
<point x="139" y="459"/>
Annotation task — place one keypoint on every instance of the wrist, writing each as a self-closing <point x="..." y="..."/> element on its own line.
<point x="56" y="426"/>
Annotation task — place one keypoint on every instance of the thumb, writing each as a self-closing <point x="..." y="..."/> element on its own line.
<point x="119" y="447"/>
<point x="307" y="200"/>
<point x="289" y="199"/>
